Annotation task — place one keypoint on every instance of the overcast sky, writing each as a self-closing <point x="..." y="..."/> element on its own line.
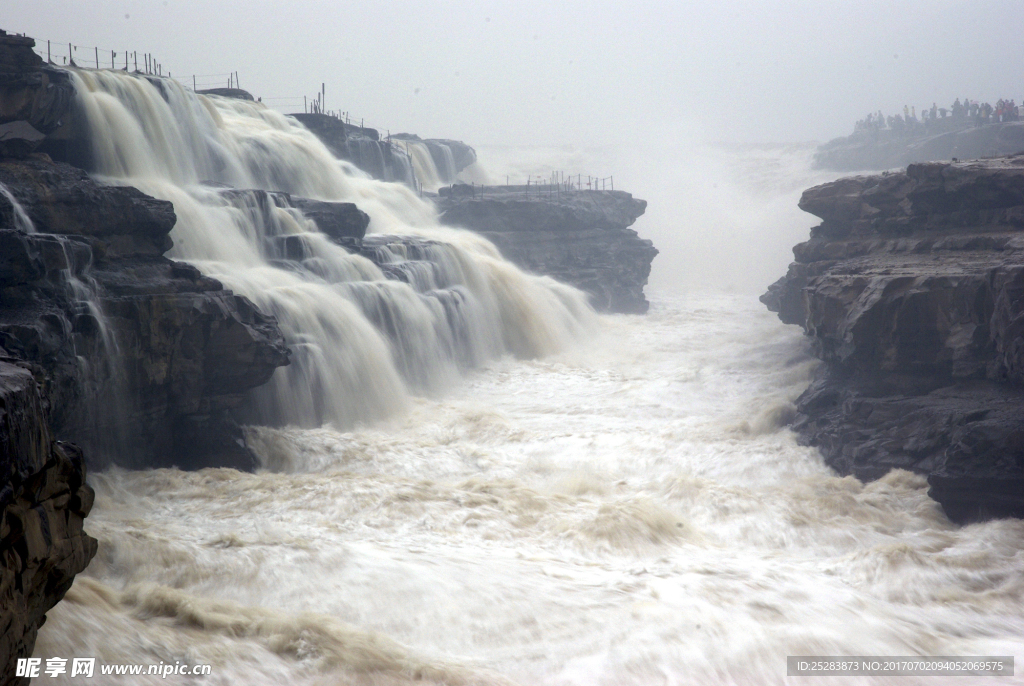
<point x="570" y="72"/>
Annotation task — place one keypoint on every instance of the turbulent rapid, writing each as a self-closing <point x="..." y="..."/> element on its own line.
<point x="631" y="513"/>
<point x="559" y="498"/>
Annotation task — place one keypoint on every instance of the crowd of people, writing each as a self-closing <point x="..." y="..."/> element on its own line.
<point x="964" y="113"/>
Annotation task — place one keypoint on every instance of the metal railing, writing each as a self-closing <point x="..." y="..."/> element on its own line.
<point x="68" y="54"/>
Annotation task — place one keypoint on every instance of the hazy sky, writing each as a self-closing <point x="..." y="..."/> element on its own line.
<point x="561" y="72"/>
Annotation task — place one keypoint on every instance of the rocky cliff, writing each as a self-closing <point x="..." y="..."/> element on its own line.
<point x="145" y="356"/>
<point x="43" y="500"/>
<point x="35" y="99"/>
<point x="941" y="140"/>
<point x="581" y="238"/>
<point x="912" y="291"/>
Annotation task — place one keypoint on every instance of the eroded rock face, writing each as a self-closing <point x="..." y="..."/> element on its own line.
<point x="912" y="290"/>
<point x="43" y="500"/>
<point x="580" y="238"/>
<point x="145" y="356"/>
<point x="35" y="99"/>
<point x="61" y="199"/>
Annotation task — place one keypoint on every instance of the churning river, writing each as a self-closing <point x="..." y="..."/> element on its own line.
<point x="629" y="512"/>
<point x="610" y="500"/>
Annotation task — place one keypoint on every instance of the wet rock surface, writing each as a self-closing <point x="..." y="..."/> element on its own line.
<point x="43" y="501"/>
<point x="144" y="356"/>
<point x="912" y="291"/>
<point x="581" y="238"/>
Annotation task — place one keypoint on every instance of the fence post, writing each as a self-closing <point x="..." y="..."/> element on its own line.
<point x="135" y="58"/>
<point x="96" y="54"/>
<point x="71" y="56"/>
<point x="48" y="60"/>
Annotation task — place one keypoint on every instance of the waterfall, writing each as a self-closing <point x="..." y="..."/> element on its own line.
<point x="444" y="160"/>
<point x="20" y="217"/>
<point x="362" y="343"/>
<point x="399" y="167"/>
<point x="424" y="165"/>
<point x="100" y="369"/>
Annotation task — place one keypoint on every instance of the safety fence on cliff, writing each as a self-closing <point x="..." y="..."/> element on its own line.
<point x="560" y="182"/>
<point x="553" y="186"/>
<point x="68" y="54"/>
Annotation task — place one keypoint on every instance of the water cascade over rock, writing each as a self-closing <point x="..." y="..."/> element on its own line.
<point x="580" y="237"/>
<point x="360" y="341"/>
<point x="421" y="164"/>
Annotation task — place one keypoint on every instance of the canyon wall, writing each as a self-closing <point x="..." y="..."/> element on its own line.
<point x="581" y="238"/>
<point x="43" y="500"/>
<point x="912" y="292"/>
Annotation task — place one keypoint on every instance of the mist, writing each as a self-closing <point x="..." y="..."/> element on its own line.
<point x="660" y="97"/>
<point x="585" y="73"/>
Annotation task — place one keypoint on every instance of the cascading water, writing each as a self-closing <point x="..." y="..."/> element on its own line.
<point x="359" y="340"/>
<point x="101" y="369"/>
<point x="432" y="170"/>
<point x="20" y="218"/>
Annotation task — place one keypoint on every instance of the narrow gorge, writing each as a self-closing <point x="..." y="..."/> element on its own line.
<point x="173" y="267"/>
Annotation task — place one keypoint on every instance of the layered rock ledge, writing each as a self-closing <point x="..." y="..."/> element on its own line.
<point x="912" y="291"/>
<point x="581" y="238"/>
<point x="145" y="357"/>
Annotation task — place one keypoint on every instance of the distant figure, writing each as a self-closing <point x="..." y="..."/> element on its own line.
<point x="934" y="111"/>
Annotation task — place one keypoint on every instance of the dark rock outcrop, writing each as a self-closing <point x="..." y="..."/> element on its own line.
<point x="941" y="140"/>
<point x="339" y="220"/>
<point x="146" y="357"/>
<point x="578" y="237"/>
<point x="35" y="99"/>
<point x="43" y="500"/>
<point x="61" y="199"/>
<point x="912" y="291"/>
